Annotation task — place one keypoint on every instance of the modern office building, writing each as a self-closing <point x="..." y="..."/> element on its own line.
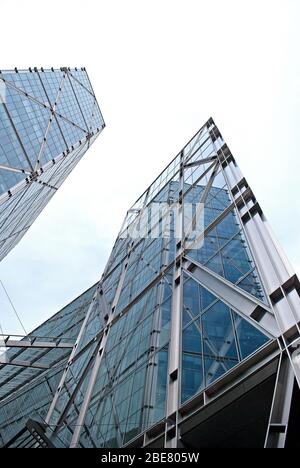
<point x="48" y="120"/>
<point x="192" y="337"/>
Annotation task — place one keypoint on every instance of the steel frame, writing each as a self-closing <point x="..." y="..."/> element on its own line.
<point x="278" y="318"/>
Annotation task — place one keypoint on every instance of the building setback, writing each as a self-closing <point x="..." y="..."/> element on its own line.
<point x="48" y="120"/>
<point x="192" y="337"/>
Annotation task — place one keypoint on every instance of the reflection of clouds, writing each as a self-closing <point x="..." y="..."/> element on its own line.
<point x="296" y="360"/>
<point x="2" y="92"/>
<point x="3" y="355"/>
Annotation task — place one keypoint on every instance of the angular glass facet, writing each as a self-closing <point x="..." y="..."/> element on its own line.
<point x="214" y="339"/>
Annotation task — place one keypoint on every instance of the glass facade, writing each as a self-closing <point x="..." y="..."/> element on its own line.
<point x="155" y="335"/>
<point x="214" y="339"/>
<point x="26" y="392"/>
<point x="130" y="390"/>
<point x="123" y="357"/>
<point x="48" y="120"/>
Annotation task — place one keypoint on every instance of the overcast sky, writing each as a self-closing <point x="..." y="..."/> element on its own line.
<point x="160" y="69"/>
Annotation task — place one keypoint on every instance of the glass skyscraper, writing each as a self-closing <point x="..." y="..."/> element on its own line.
<point x="48" y="120"/>
<point x="192" y="336"/>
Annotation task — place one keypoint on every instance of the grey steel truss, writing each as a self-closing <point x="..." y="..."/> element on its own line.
<point x="185" y="332"/>
<point x="48" y="120"/>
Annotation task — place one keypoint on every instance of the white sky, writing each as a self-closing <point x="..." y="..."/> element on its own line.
<point x="160" y="69"/>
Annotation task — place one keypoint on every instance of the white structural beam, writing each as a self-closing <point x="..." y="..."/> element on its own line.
<point x="14" y="169"/>
<point x="243" y="303"/>
<point x="34" y="343"/>
<point x="4" y="361"/>
<point x="200" y="162"/>
<point x="281" y="405"/>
